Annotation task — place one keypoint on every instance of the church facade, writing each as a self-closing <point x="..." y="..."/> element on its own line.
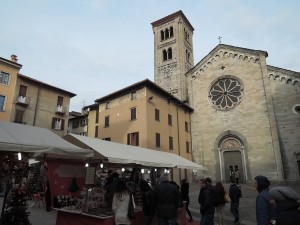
<point x="246" y="113"/>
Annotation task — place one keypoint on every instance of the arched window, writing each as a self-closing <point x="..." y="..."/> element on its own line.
<point x="170" y="53"/>
<point x="188" y="57"/>
<point x="165" y="55"/>
<point x="162" y="35"/>
<point x="171" y="32"/>
<point x="167" y="35"/>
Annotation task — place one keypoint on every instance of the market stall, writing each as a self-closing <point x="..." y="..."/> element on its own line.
<point x="130" y="162"/>
<point x="18" y="143"/>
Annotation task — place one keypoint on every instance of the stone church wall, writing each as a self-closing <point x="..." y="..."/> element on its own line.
<point x="285" y="96"/>
<point x="250" y="118"/>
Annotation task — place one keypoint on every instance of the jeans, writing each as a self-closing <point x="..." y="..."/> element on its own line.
<point x="207" y="220"/>
<point x="234" y="208"/>
<point x="166" y="221"/>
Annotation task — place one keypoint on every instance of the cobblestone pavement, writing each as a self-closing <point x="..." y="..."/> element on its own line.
<point x="39" y="216"/>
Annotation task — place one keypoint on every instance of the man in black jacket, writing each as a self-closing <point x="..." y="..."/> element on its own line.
<point x="166" y="198"/>
<point x="235" y="195"/>
<point x="206" y="201"/>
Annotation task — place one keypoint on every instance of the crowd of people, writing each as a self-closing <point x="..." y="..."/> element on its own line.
<point x="163" y="204"/>
<point x="278" y="205"/>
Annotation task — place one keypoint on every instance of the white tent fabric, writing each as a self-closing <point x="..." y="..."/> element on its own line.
<point x="122" y="154"/>
<point x="23" y="138"/>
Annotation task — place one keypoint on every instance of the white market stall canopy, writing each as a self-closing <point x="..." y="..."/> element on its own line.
<point x="23" y="138"/>
<point x="126" y="154"/>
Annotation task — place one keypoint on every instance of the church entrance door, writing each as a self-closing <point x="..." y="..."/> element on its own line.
<point x="232" y="164"/>
<point x="232" y="150"/>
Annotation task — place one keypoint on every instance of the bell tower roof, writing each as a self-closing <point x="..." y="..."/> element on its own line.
<point x="171" y="17"/>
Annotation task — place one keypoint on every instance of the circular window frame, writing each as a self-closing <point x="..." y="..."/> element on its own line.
<point x="217" y="107"/>
<point x="296" y="109"/>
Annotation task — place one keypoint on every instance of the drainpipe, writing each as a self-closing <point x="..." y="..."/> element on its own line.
<point x="36" y="105"/>
<point x="178" y="137"/>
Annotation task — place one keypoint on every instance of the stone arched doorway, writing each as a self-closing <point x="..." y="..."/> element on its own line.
<point x="231" y="151"/>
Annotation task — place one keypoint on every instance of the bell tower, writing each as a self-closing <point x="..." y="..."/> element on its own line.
<point x="173" y="53"/>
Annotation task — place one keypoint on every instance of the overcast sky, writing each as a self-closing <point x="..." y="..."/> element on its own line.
<point x="95" y="47"/>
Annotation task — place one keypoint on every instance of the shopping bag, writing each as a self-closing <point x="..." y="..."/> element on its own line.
<point x="227" y="198"/>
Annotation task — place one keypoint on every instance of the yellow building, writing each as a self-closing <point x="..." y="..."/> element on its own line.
<point x="29" y="101"/>
<point x="145" y="115"/>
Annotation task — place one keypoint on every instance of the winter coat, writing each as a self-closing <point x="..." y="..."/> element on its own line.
<point x="120" y="208"/>
<point x="148" y="203"/>
<point x="206" y="200"/>
<point x="235" y="193"/>
<point x="166" y="198"/>
<point x="265" y="211"/>
<point x="287" y="212"/>
<point x="219" y="197"/>
<point x="185" y="192"/>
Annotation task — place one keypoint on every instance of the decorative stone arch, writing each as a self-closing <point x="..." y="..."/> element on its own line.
<point x="231" y="142"/>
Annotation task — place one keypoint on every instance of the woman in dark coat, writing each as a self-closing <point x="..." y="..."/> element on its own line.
<point x="148" y="203"/>
<point x="286" y="201"/>
<point x="185" y="197"/>
<point x="220" y="201"/>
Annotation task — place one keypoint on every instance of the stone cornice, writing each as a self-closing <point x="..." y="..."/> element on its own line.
<point x="222" y="51"/>
<point x="10" y="63"/>
<point x="166" y="44"/>
<point x="283" y="75"/>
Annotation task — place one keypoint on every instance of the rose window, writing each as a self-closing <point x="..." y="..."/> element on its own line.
<point x="226" y="93"/>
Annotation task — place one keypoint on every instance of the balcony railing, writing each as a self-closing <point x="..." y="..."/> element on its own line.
<point x="62" y="110"/>
<point x="22" y="100"/>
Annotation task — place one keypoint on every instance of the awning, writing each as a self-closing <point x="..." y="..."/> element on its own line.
<point x="127" y="154"/>
<point x="23" y="138"/>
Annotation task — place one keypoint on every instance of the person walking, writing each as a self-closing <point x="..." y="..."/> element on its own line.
<point x="180" y="204"/>
<point x="185" y="197"/>
<point x="120" y="203"/>
<point x="231" y="175"/>
<point x="265" y="210"/>
<point x="220" y="201"/>
<point x="237" y="177"/>
<point x="166" y="199"/>
<point x="286" y="202"/>
<point x="148" y="203"/>
<point x="111" y="187"/>
<point x="47" y="196"/>
<point x="235" y="194"/>
<point x="206" y="201"/>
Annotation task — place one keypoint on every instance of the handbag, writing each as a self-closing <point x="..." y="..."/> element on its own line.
<point x="130" y="213"/>
<point x="227" y="198"/>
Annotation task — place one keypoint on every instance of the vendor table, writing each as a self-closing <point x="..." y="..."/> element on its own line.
<point x="67" y="217"/>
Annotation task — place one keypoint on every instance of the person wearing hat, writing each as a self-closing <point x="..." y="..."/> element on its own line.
<point x="286" y="201"/>
<point x="166" y="200"/>
<point x="265" y="210"/>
